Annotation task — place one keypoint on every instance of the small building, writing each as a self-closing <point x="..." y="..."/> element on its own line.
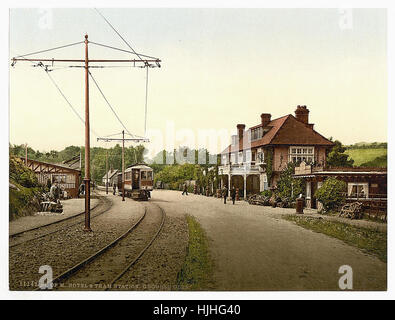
<point x="254" y="160"/>
<point x="365" y="185"/>
<point x="111" y="176"/>
<point x="66" y="174"/>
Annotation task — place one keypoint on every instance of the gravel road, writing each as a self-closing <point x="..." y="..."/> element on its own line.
<point x="254" y="249"/>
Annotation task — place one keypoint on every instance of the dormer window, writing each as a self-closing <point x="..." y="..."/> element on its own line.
<point x="258" y="133"/>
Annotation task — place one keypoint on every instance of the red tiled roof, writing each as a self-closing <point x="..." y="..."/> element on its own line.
<point x="286" y="130"/>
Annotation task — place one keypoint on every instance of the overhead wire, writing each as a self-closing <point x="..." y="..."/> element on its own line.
<point x="146" y="65"/>
<point x="108" y="22"/>
<point x="108" y="103"/>
<point x="40" y="64"/>
<point x="123" y="50"/>
<point x="68" y="102"/>
<point x="51" y="49"/>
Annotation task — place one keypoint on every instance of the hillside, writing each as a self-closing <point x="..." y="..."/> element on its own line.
<point x="24" y="190"/>
<point x="370" y="157"/>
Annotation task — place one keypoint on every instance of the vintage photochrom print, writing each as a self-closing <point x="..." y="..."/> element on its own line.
<point x="197" y="149"/>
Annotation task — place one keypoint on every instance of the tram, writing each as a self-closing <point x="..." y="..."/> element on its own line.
<point x="139" y="182"/>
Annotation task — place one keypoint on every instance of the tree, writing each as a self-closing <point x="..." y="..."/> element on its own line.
<point x="337" y="157"/>
<point x="331" y="194"/>
<point x="287" y="186"/>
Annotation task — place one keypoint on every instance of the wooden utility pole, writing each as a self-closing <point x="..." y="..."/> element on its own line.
<point x="123" y="165"/>
<point x="106" y="171"/>
<point x="146" y="62"/>
<point x="87" y="178"/>
<point x="123" y="139"/>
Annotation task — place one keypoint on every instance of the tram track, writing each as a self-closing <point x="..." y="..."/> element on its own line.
<point x="102" y="208"/>
<point x="19" y="233"/>
<point x="103" y="269"/>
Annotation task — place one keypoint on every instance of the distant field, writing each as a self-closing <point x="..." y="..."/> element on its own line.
<point x="365" y="155"/>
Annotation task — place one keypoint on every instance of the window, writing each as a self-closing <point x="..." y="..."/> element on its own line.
<point x="143" y="175"/>
<point x="248" y="155"/>
<point x="240" y="157"/>
<point x="299" y="154"/>
<point x="60" y="178"/>
<point x="149" y="175"/>
<point x="128" y="175"/>
<point x="232" y="158"/>
<point x="224" y="159"/>
<point x="308" y="190"/>
<point x="358" y="190"/>
<point x="260" y="157"/>
<point x="258" y="133"/>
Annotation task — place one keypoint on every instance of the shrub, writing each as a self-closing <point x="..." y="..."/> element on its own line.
<point x="331" y="194"/>
<point x="22" y="174"/>
<point x="266" y="193"/>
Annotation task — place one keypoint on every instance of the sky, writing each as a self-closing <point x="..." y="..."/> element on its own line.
<point x="220" y="67"/>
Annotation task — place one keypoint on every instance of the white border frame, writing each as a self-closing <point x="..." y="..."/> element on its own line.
<point x="4" y="20"/>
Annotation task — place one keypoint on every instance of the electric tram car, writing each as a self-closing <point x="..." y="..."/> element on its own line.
<point x="139" y="182"/>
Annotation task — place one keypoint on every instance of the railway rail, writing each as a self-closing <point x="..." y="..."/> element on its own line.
<point x="16" y="234"/>
<point x="93" y="267"/>
<point x="47" y="228"/>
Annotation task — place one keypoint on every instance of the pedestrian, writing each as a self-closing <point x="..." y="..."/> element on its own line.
<point x="114" y="187"/>
<point x="185" y="190"/>
<point x="233" y="194"/>
<point x="52" y="192"/>
<point x="225" y="193"/>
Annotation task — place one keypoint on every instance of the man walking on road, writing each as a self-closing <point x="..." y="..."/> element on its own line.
<point x="225" y="193"/>
<point x="185" y="189"/>
<point x="113" y="188"/>
<point x="233" y="194"/>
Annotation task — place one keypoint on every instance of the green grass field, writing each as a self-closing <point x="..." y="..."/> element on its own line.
<point x="197" y="271"/>
<point x="365" y="155"/>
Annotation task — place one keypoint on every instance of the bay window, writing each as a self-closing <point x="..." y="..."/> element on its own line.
<point x="299" y="154"/>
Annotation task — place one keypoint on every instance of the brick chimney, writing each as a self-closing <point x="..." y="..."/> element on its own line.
<point x="302" y="114"/>
<point x="265" y="119"/>
<point x="240" y="130"/>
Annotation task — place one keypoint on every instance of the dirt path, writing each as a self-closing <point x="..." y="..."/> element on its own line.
<point x="254" y="249"/>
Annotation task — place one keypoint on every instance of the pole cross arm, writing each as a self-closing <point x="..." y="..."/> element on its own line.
<point x="145" y="62"/>
<point x="126" y="139"/>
